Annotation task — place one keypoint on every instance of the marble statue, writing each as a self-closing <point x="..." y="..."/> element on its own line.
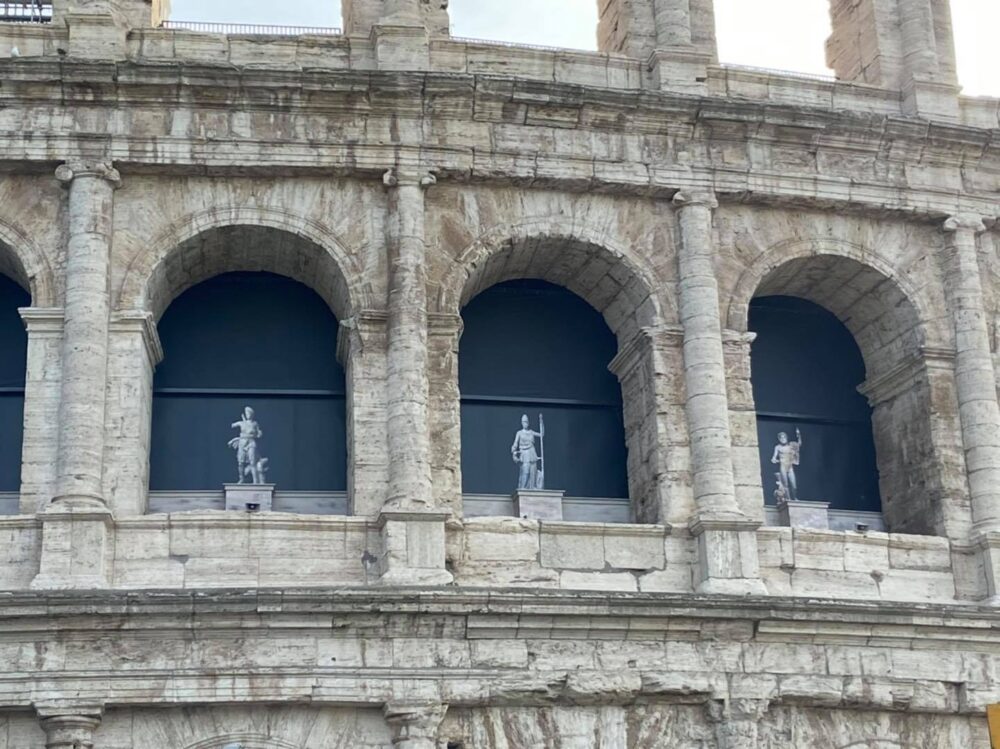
<point x="786" y="457"/>
<point x="249" y="462"/>
<point x="531" y="475"/>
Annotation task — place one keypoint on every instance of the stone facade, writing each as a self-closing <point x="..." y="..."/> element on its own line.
<point x="398" y="172"/>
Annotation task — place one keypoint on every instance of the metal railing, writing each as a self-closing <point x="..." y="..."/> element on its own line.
<point x="826" y="78"/>
<point x="519" y="45"/>
<point x="250" y="28"/>
<point x="26" y="12"/>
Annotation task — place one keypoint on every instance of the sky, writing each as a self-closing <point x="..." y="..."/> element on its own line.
<point x="747" y="31"/>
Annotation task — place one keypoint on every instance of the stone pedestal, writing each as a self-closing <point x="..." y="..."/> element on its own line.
<point x="249" y="497"/>
<point x="413" y="548"/>
<point x="803" y="514"/>
<point x="684" y="70"/>
<point x="77" y="546"/>
<point x="538" y="504"/>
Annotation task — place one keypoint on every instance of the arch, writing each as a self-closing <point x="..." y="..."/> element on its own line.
<point x="245" y="741"/>
<point x="184" y="255"/>
<point x="852" y="282"/>
<point x="611" y="278"/>
<point x="892" y="324"/>
<point x="24" y="262"/>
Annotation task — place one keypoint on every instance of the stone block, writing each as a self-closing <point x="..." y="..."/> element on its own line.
<point x="635" y="551"/>
<point x="501" y="539"/>
<point x="572" y="547"/>
<point x="611" y="581"/>
<point x="499" y="654"/>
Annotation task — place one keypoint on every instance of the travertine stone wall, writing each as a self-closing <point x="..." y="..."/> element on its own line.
<point x="399" y="173"/>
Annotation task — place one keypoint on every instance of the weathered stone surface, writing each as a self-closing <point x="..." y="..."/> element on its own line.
<point x="399" y="173"/>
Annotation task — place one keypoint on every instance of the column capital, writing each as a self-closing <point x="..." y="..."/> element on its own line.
<point x="71" y="170"/>
<point x="70" y="727"/>
<point x="688" y="198"/>
<point x="973" y="222"/>
<point x="142" y="323"/>
<point x="414" y="724"/>
<point x="394" y="177"/>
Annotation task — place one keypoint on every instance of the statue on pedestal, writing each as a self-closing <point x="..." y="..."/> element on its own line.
<point x="249" y="463"/>
<point x="786" y="457"/>
<point x="531" y="475"/>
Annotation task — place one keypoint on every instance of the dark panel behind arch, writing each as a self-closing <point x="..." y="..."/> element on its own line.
<point x="533" y="347"/>
<point x="254" y="339"/>
<point x="13" y="359"/>
<point x="806" y="368"/>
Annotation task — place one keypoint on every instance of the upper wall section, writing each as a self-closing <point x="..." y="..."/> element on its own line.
<point x="891" y="56"/>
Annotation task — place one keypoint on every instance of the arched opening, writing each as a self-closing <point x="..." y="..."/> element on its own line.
<point x="806" y="372"/>
<point x="14" y="348"/>
<point x="803" y="359"/>
<point x="250" y="339"/>
<point x="533" y="348"/>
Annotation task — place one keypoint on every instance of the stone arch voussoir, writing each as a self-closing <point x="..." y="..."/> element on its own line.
<point x="614" y="279"/>
<point x="327" y="265"/>
<point x="24" y="262"/>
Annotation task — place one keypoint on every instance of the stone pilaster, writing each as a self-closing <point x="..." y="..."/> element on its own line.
<point x="412" y="526"/>
<point x="444" y="333"/>
<point x="975" y="385"/>
<point x="39" y="453"/>
<point x="134" y="350"/>
<point x="652" y="398"/>
<point x="415" y="726"/>
<point x="361" y="350"/>
<point x="727" y="543"/>
<point x="75" y="539"/>
<point x="67" y="728"/>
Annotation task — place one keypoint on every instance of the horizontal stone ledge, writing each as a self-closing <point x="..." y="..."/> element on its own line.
<point x="82" y="609"/>
<point x="483" y="688"/>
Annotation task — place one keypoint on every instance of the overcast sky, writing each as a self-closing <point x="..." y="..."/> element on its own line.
<point x="785" y="34"/>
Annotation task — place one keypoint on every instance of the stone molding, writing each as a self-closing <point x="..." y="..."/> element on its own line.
<point x="487" y="616"/>
<point x="43" y="321"/>
<point x="894" y="382"/>
<point x="141" y="323"/>
<point x="415" y="724"/>
<point x="357" y="331"/>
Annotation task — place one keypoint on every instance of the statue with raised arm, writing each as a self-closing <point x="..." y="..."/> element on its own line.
<point x="524" y="454"/>
<point x="249" y="463"/>
<point x="786" y="457"/>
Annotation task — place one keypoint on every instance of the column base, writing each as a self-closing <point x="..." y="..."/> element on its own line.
<point x="988" y="545"/>
<point x="931" y="100"/>
<point x="77" y="545"/>
<point x="727" y="555"/>
<point x="401" y="47"/>
<point x="413" y="548"/>
<point x="680" y="69"/>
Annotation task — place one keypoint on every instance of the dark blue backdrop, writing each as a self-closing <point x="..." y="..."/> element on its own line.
<point x="806" y="370"/>
<point x="13" y="358"/>
<point x="249" y="339"/>
<point x="532" y="347"/>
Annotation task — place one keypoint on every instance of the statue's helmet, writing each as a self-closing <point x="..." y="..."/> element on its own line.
<point x="248" y="412"/>
<point x="524" y="421"/>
